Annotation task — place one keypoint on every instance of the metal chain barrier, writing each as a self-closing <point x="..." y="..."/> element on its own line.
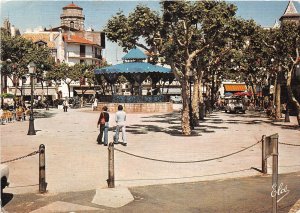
<point x="25" y="156"/>
<point x="196" y="161"/>
<point x="289" y="144"/>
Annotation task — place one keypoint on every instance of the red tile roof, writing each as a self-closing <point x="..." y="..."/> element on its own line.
<point x="72" y="5"/>
<point x="77" y="39"/>
<point x="35" y="37"/>
<point x="235" y="87"/>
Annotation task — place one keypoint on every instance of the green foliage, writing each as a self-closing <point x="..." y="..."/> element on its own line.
<point x="17" y="52"/>
<point x="7" y="95"/>
<point x="140" y="24"/>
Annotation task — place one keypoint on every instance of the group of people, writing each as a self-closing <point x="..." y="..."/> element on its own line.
<point x="103" y="122"/>
<point x="16" y="114"/>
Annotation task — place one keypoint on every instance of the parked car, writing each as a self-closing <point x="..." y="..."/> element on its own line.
<point x="4" y="177"/>
<point x="234" y="105"/>
<point x="176" y="99"/>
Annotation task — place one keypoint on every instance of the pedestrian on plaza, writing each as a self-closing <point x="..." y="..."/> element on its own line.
<point x="95" y="104"/>
<point x="103" y="121"/>
<point x="24" y="109"/>
<point x="120" y="121"/>
<point x="65" y="105"/>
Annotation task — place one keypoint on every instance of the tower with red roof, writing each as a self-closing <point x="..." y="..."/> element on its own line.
<point x="72" y="17"/>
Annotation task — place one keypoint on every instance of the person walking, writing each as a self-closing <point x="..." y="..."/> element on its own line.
<point x="65" y="105"/>
<point x="120" y="120"/>
<point x="95" y="104"/>
<point x="103" y="121"/>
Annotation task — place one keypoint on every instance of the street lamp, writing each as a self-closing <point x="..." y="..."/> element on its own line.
<point x="190" y="75"/>
<point x="31" y="68"/>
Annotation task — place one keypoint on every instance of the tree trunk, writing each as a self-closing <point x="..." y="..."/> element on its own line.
<point x="208" y="109"/>
<point x="195" y="101"/>
<point x="201" y="101"/>
<point x="185" y="118"/>
<point x="212" y="93"/>
<point x="291" y="95"/>
<point x="277" y="100"/>
<point x="69" y="90"/>
<point x="43" y="93"/>
<point x="253" y="93"/>
<point x="15" y="93"/>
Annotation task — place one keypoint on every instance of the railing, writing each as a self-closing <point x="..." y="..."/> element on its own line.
<point x="134" y="98"/>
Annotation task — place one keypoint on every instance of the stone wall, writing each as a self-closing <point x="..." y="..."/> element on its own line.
<point x="163" y="107"/>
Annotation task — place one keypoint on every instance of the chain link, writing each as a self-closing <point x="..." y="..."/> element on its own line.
<point x="25" y="156"/>
<point x="196" y="161"/>
<point x="289" y="144"/>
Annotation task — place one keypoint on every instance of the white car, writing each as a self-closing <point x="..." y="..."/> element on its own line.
<point x="234" y="105"/>
<point x="176" y="99"/>
<point x="4" y="176"/>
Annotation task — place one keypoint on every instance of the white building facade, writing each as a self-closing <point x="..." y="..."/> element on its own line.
<point x="68" y="43"/>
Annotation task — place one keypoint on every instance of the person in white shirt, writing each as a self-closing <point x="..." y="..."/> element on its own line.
<point x="120" y="120"/>
<point x="95" y="104"/>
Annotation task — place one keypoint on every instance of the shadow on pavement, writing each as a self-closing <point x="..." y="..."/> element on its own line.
<point x="6" y="198"/>
<point x="185" y="177"/>
<point x="43" y="114"/>
<point x="174" y="119"/>
<point x="172" y="130"/>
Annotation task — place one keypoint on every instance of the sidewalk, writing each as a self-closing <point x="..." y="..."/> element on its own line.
<point x="74" y="162"/>
<point x="242" y="195"/>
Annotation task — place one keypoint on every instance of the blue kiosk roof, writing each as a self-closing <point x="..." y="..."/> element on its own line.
<point x="135" y="54"/>
<point x="133" y="67"/>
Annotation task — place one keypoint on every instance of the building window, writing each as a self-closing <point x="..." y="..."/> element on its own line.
<point x="82" y="51"/>
<point x="72" y="24"/>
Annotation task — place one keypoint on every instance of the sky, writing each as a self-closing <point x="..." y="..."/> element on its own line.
<point x="32" y="14"/>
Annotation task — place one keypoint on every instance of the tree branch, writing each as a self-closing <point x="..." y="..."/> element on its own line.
<point x="268" y="45"/>
<point x="175" y="37"/>
<point x="196" y="52"/>
<point x="143" y="46"/>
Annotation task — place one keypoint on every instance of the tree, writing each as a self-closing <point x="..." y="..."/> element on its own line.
<point x="17" y="53"/>
<point x="184" y="32"/>
<point x="86" y="75"/>
<point x="67" y="74"/>
<point x="286" y="43"/>
<point x="14" y="54"/>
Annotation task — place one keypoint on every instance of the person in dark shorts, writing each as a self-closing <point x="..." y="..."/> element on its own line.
<point x="103" y="122"/>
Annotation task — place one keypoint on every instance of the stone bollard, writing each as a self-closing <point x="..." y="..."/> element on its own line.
<point x="111" y="171"/>
<point x="42" y="169"/>
<point x="264" y="167"/>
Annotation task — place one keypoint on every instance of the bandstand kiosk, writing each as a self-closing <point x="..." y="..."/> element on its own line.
<point x="136" y="70"/>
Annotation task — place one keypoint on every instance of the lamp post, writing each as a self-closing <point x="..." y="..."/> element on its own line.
<point x="31" y="68"/>
<point x="190" y="75"/>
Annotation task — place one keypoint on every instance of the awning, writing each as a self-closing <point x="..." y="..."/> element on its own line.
<point x="235" y="87"/>
<point x="86" y="92"/>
